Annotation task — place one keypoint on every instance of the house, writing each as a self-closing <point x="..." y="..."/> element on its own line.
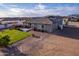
<point x="41" y="24"/>
<point x="47" y="24"/>
<point x="15" y="21"/>
<point x="74" y="19"/>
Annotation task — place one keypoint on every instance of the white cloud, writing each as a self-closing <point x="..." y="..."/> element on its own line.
<point x="39" y="10"/>
<point x="17" y="10"/>
<point x="40" y="6"/>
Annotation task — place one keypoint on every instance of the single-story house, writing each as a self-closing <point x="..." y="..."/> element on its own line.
<point x="47" y="24"/>
<point x="17" y="21"/>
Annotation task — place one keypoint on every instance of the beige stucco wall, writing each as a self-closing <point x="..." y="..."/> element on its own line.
<point x="46" y="27"/>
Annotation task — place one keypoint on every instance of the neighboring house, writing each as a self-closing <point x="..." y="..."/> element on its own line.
<point x="74" y="19"/>
<point x="13" y="21"/>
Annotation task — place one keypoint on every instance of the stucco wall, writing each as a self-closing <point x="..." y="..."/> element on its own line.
<point x="46" y="27"/>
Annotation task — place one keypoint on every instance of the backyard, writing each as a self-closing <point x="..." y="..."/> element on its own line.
<point x="59" y="43"/>
<point x="15" y="35"/>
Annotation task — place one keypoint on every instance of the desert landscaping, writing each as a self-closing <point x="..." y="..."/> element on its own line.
<point x="47" y="44"/>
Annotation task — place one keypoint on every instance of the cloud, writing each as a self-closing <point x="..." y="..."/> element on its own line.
<point x="3" y="13"/>
<point x="66" y="10"/>
<point x="39" y="10"/>
<point x="40" y="6"/>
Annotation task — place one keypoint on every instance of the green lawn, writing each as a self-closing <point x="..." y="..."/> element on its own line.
<point x="15" y="35"/>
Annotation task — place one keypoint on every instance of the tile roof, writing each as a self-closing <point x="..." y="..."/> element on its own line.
<point x="40" y="21"/>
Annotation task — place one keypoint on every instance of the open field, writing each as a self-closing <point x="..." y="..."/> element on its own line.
<point x="15" y="35"/>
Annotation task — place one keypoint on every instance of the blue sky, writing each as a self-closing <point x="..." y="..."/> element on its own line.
<point x="37" y="9"/>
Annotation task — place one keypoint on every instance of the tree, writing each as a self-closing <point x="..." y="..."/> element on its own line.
<point x="4" y="41"/>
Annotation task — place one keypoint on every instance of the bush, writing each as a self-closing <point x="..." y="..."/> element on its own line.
<point x="17" y="28"/>
<point x="4" y="41"/>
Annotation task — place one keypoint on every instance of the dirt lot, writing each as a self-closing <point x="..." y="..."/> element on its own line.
<point x="64" y="43"/>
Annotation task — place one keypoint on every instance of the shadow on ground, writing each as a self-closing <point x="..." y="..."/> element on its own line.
<point x="70" y="32"/>
<point x="12" y="51"/>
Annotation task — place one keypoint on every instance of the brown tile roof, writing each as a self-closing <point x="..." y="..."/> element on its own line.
<point x="40" y="21"/>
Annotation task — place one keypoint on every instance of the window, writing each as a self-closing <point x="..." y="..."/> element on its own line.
<point x="42" y="26"/>
<point x="30" y="24"/>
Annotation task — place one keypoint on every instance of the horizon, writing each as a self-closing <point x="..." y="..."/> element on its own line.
<point x="37" y="9"/>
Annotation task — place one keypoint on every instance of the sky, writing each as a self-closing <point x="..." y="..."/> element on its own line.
<point x="37" y="9"/>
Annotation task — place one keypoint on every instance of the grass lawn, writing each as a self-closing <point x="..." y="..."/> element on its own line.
<point x="15" y="35"/>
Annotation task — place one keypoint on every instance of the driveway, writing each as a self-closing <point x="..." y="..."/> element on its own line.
<point x="71" y="31"/>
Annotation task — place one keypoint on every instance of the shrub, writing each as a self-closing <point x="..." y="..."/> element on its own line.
<point x="4" y="41"/>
